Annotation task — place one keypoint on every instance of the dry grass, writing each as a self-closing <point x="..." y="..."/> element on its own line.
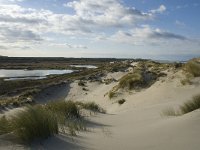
<point x="131" y="80"/>
<point x="193" y="68"/>
<point x="185" y="108"/>
<point x="121" y="101"/>
<point x="42" y="121"/>
<point x="67" y="108"/>
<point x="31" y="124"/>
<point x="191" y="105"/>
<point x="91" y="106"/>
<point x="111" y="94"/>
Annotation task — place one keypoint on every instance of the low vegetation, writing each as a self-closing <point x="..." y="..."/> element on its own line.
<point x="131" y="80"/>
<point x="112" y="94"/>
<point x="186" y="81"/>
<point x="191" y="105"/>
<point x="187" y="107"/>
<point x="121" y="101"/>
<point x="193" y="67"/>
<point x="67" y="108"/>
<point x="91" y="106"/>
<point x="81" y="83"/>
<point x="42" y="121"/>
<point x="30" y="124"/>
<point x="142" y="76"/>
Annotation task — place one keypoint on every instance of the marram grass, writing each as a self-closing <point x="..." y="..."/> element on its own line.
<point x="185" y="108"/>
<point x="42" y="121"/>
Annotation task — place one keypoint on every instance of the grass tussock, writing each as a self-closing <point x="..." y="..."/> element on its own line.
<point x="67" y="108"/>
<point x="30" y="124"/>
<point x="92" y="107"/>
<point x="191" y="105"/>
<point x="42" y="121"/>
<point x="193" y="67"/>
<point x="185" y="108"/>
<point x="121" y="101"/>
<point x="111" y="94"/>
<point x="170" y="112"/>
<point x="131" y="80"/>
<point x="4" y="125"/>
<point x="186" y="81"/>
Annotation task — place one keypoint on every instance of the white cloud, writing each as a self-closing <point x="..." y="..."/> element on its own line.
<point x="145" y="35"/>
<point x="68" y="45"/>
<point x="76" y="46"/>
<point x="161" y="9"/>
<point x="26" y="27"/>
<point x="10" y="1"/>
<point x="19" y="24"/>
<point x="107" y="13"/>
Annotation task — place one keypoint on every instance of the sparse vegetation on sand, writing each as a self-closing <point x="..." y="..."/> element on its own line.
<point x="66" y="108"/>
<point x="191" y="105"/>
<point x="142" y="76"/>
<point x="30" y="124"/>
<point x="42" y="121"/>
<point x="131" y="80"/>
<point x="121" y="101"/>
<point x="92" y="107"/>
<point x="81" y="83"/>
<point x="187" y="107"/>
<point x="193" y="67"/>
<point x="111" y="94"/>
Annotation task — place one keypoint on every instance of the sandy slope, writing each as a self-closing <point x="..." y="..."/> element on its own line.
<point x="138" y="123"/>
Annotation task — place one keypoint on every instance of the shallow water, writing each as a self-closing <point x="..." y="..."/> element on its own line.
<point x="84" y="66"/>
<point x="19" y="74"/>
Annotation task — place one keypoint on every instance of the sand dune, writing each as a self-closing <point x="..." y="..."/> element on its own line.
<point x="136" y="124"/>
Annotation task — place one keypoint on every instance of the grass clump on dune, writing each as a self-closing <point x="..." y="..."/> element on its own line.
<point x="193" y="67"/>
<point x="42" y="121"/>
<point x="34" y="123"/>
<point x="92" y="107"/>
<point x="67" y="108"/>
<point x="170" y="112"/>
<point x="191" y="105"/>
<point x="30" y="124"/>
<point x="131" y="80"/>
<point x="187" y="107"/>
<point x="121" y="101"/>
<point x="4" y="125"/>
<point x="111" y="94"/>
<point x="68" y="115"/>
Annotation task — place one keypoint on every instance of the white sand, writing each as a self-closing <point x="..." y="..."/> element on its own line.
<point x="138" y="123"/>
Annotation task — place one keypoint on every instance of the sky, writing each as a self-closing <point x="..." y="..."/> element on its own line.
<point x="153" y="29"/>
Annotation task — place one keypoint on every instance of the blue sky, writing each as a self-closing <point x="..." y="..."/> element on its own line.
<point x="156" y="29"/>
